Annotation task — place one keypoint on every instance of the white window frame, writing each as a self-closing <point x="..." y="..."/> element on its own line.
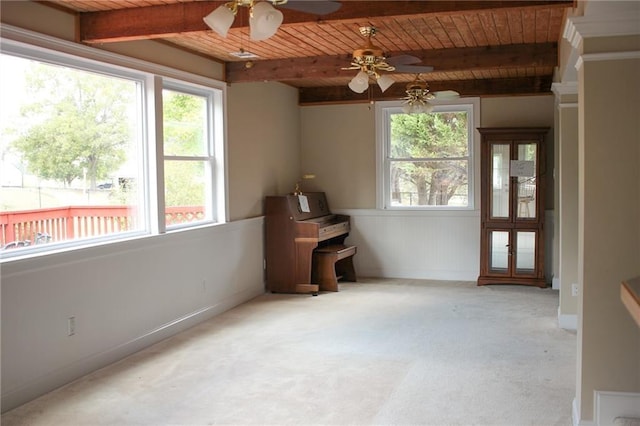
<point x="215" y="168"/>
<point x="152" y="78"/>
<point x="383" y="112"/>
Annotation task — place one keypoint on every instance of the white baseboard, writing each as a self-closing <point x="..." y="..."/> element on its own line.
<point x="576" y="416"/>
<point x="609" y="405"/>
<point x="555" y="283"/>
<point x="415" y="273"/>
<point x="567" y="322"/>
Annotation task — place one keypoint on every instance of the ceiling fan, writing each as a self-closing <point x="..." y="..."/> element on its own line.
<point x="264" y="18"/>
<point x="370" y="60"/>
<point x="419" y="95"/>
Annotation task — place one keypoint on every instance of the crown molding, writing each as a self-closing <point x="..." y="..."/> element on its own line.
<point x="578" y="28"/>
<point x="607" y="56"/>
<point x="568" y="105"/>
<point x="568" y="88"/>
<point x="607" y="20"/>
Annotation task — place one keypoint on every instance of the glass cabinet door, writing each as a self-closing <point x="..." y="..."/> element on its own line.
<point x="500" y="181"/>
<point x="499" y="252"/>
<point x="526" y="185"/>
<point x="512" y="252"/>
<point x="525" y="252"/>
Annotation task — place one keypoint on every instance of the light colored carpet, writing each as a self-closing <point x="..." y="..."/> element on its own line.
<point x="377" y="352"/>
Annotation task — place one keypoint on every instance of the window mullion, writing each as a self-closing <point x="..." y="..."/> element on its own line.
<point x="186" y="158"/>
<point x="429" y="159"/>
<point x="156" y="154"/>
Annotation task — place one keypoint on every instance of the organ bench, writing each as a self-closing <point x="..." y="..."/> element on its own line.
<point x="332" y="263"/>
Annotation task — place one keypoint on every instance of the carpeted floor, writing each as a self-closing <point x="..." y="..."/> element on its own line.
<point x="378" y="352"/>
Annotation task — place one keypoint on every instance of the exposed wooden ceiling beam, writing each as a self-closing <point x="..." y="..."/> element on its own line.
<point x="488" y="87"/>
<point x="180" y="18"/>
<point x="443" y="60"/>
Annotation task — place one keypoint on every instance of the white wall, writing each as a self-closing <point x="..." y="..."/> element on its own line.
<point x="567" y="174"/>
<point x="429" y="245"/>
<point x="124" y="296"/>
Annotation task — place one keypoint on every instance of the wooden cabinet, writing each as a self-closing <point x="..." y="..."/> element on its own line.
<point x="512" y="206"/>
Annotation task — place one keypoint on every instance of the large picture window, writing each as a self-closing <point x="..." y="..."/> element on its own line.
<point x="78" y="151"/>
<point x="426" y="159"/>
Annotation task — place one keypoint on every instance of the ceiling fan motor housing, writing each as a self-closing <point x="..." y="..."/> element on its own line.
<point x="419" y="89"/>
<point x="368" y="55"/>
<point x="370" y="58"/>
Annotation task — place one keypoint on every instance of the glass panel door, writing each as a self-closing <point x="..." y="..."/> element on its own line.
<point x="500" y="157"/>
<point x="526" y="183"/>
<point x="525" y="252"/>
<point x="499" y="252"/>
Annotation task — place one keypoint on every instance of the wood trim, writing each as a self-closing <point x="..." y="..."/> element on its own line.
<point x="487" y="87"/>
<point x="179" y="18"/>
<point x="443" y="60"/>
<point x="630" y="295"/>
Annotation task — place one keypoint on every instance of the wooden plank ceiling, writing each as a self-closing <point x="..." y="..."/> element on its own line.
<point x="477" y="48"/>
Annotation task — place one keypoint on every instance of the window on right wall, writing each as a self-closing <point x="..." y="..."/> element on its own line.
<point x="425" y="160"/>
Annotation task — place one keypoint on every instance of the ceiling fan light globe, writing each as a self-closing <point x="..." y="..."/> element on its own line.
<point x="426" y="108"/>
<point x="220" y="20"/>
<point x="447" y="94"/>
<point x="360" y="82"/>
<point x="384" y="81"/>
<point x="264" y="21"/>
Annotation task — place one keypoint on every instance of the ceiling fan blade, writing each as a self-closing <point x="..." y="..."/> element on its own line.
<point x="315" y="7"/>
<point x="446" y="94"/>
<point x="414" y="69"/>
<point x="403" y="60"/>
<point x="406" y="64"/>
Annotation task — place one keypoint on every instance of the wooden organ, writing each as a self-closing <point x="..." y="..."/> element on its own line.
<point x="296" y="225"/>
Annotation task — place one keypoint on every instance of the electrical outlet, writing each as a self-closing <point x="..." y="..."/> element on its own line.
<point x="71" y="326"/>
<point x="574" y="289"/>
